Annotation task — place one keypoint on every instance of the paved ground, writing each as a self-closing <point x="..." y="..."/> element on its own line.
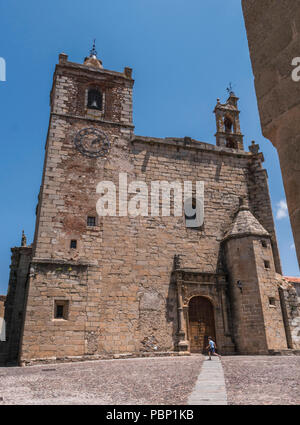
<point x="210" y="387"/>
<point x="162" y="380"/>
<point x="262" y="379"/>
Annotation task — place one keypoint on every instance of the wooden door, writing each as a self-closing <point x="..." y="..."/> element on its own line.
<point x="201" y="324"/>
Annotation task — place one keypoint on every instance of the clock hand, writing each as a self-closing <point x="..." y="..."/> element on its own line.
<point x="97" y="140"/>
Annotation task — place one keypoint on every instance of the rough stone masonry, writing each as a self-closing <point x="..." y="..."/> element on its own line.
<point x="94" y="287"/>
<point x="273" y="31"/>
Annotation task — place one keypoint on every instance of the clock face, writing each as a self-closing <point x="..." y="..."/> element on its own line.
<point x="92" y="142"/>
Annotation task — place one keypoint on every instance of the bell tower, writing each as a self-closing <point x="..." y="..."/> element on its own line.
<point x="228" y="123"/>
<point x="88" y="141"/>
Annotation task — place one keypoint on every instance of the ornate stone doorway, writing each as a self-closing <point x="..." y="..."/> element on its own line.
<point x="201" y="323"/>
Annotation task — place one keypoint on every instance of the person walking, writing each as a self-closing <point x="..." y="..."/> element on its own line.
<point x="211" y="348"/>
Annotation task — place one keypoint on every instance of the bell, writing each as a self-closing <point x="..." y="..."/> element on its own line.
<point x="94" y="104"/>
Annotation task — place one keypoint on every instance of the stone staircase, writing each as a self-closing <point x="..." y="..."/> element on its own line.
<point x="287" y="352"/>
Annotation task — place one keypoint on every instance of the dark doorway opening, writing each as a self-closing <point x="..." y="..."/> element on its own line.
<point x="201" y="324"/>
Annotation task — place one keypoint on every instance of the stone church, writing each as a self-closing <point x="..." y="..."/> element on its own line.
<point x="93" y="286"/>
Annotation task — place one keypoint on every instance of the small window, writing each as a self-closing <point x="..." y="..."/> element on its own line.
<point x="59" y="312"/>
<point x="272" y="301"/>
<point x="91" y="221"/>
<point x="73" y="244"/>
<point x="61" y="309"/>
<point x="267" y="264"/>
<point x="264" y="243"/>
<point x="94" y="99"/>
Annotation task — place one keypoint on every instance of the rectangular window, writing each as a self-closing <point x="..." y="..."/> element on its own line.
<point x="91" y="221"/>
<point x="73" y="244"/>
<point x="267" y="264"/>
<point x="61" y="309"/>
<point x="264" y="243"/>
<point x="272" y="301"/>
<point x="59" y="312"/>
<point x="94" y="99"/>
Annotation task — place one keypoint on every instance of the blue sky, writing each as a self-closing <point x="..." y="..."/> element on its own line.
<point x="183" y="54"/>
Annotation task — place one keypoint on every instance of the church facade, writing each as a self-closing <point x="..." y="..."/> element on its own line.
<point x="94" y="286"/>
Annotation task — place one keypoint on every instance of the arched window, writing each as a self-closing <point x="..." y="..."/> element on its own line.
<point x="228" y="125"/>
<point x="94" y="99"/>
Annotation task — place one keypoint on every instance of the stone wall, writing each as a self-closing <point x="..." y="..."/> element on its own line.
<point x="122" y="300"/>
<point x="273" y="30"/>
<point x="15" y="300"/>
<point x="260" y="200"/>
<point x="247" y="314"/>
<point x="117" y="283"/>
<point x="2" y="301"/>
<point x="291" y="310"/>
<point x="269" y="296"/>
<point x="2" y="328"/>
<point x="257" y="316"/>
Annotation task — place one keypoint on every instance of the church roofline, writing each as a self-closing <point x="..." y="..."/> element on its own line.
<point x="188" y="143"/>
<point x="64" y="63"/>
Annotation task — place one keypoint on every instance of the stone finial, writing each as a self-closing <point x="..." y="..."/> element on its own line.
<point x="23" y="240"/>
<point x="254" y="148"/>
<point x="218" y="105"/>
<point x="63" y="58"/>
<point x="92" y="60"/>
<point x="128" y="72"/>
<point x="187" y="140"/>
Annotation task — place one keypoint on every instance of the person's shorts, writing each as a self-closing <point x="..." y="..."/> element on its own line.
<point x="211" y="350"/>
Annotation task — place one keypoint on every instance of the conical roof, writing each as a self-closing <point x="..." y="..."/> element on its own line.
<point x="245" y="224"/>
